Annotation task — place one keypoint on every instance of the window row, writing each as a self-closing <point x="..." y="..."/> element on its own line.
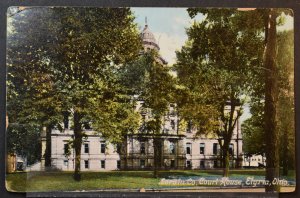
<point x="171" y="163"/>
<point x="216" y="148"/>
<point x="87" y="164"/>
<point x="172" y="148"/>
<point x="66" y="122"/>
<point x="202" y="164"/>
<point x="86" y="148"/>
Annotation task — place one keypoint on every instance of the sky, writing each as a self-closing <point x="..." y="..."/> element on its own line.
<point x="168" y="26"/>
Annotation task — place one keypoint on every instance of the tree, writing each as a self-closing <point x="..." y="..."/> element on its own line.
<point x="32" y="101"/>
<point x="286" y="112"/>
<point x="271" y="91"/>
<point x="256" y="22"/>
<point x="253" y="132"/>
<point x="215" y="71"/>
<point x="271" y="98"/>
<point x="88" y="46"/>
<point x="152" y="82"/>
<point x="94" y="42"/>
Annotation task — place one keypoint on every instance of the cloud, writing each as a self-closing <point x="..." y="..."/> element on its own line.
<point x="181" y="21"/>
<point x="168" y="45"/>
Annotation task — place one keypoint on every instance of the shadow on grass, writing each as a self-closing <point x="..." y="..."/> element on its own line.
<point x="141" y="174"/>
<point x="62" y="181"/>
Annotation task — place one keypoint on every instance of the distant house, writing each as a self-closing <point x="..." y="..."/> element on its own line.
<point x="254" y="161"/>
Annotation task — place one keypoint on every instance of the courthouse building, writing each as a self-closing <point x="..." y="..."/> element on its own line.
<point x="178" y="149"/>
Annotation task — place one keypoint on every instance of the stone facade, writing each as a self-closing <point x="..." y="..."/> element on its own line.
<point x="96" y="153"/>
<point x="178" y="151"/>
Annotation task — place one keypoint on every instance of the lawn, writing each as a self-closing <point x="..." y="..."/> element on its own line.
<point x="63" y="181"/>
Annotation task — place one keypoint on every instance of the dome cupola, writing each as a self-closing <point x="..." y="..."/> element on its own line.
<point x="148" y="38"/>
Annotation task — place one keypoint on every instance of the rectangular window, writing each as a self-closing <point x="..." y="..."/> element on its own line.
<point x="215" y="148"/>
<point x="103" y="147"/>
<point x="188" y="164"/>
<point x="66" y="149"/>
<point x="202" y="148"/>
<point x="143" y="149"/>
<point x="188" y="148"/>
<point x="86" y="164"/>
<point x="173" y="124"/>
<point x="118" y="148"/>
<point x="66" y="162"/>
<point x="86" y="148"/>
<point x="118" y="164"/>
<point x="172" y="163"/>
<point x="172" y="147"/>
<point x="202" y="164"/>
<point x="102" y="163"/>
<point x="231" y="149"/>
<point x="142" y="163"/>
<point x="215" y="164"/>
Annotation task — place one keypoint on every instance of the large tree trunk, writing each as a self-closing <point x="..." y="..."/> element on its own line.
<point x="271" y="97"/>
<point x="220" y="157"/>
<point x="156" y="156"/>
<point x="285" y="151"/>
<point x="226" y="159"/>
<point x="227" y="135"/>
<point x="77" y="144"/>
<point x="249" y="161"/>
<point x="48" y="147"/>
<point x="124" y="152"/>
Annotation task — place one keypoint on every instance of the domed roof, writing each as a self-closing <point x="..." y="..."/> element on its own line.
<point x="148" y="38"/>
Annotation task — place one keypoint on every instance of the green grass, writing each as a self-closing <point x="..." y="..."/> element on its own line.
<point x="63" y="181"/>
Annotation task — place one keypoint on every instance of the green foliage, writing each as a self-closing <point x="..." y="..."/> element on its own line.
<point x="150" y="82"/>
<point x="253" y="131"/>
<point x="286" y="110"/>
<point x="158" y="88"/>
<point x="216" y="67"/>
<point x="153" y="84"/>
<point x="66" y="60"/>
<point x="24" y="141"/>
<point x="32" y="100"/>
<point x="215" y="70"/>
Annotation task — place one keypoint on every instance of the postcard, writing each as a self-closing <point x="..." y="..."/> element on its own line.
<point x="150" y="99"/>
